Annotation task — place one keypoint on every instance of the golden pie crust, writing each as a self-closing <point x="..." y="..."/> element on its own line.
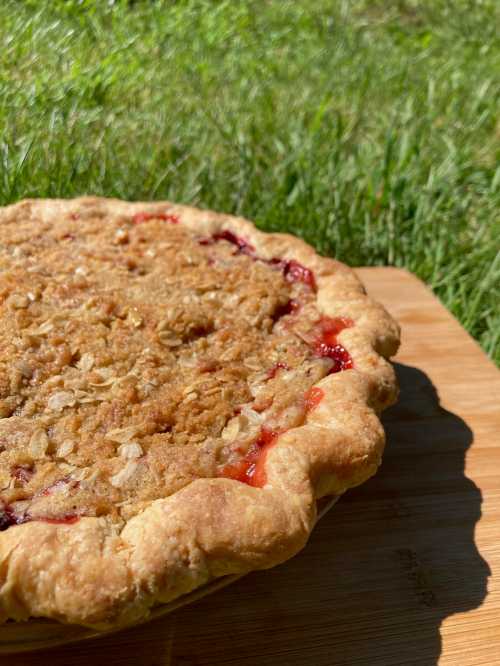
<point x="177" y="391"/>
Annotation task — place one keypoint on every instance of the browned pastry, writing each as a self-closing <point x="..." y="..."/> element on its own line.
<point x="177" y="389"/>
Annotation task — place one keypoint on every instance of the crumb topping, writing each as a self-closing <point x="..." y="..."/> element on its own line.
<point x="137" y="356"/>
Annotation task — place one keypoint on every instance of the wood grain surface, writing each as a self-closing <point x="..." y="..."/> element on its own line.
<point x="404" y="570"/>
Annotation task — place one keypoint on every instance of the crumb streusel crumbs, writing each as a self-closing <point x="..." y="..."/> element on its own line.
<point x="137" y="356"/>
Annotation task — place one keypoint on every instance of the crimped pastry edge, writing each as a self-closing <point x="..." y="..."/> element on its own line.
<point x="98" y="575"/>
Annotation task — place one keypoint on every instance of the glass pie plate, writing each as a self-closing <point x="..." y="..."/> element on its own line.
<point x="38" y="633"/>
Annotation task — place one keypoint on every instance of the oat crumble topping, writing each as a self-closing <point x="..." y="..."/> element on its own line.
<point x="137" y="356"/>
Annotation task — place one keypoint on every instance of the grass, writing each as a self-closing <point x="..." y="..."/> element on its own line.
<point x="368" y="127"/>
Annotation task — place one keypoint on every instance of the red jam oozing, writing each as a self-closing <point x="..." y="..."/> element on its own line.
<point x="67" y="519"/>
<point x="313" y="397"/>
<point x="139" y="218"/>
<point x="250" y="469"/>
<point x="243" y="246"/>
<point x="274" y="370"/>
<point x="290" y="307"/>
<point x="295" y="272"/>
<point x="8" y="518"/>
<point x="23" y="473"/>
<point x="326" y="344"/>
<point x="292" y="270"/>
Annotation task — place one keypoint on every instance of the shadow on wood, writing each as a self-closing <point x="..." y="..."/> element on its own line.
<point x="393" y="559"/>
<point x="423" y="510"/>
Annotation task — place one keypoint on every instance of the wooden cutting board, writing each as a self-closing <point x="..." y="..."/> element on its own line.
<point x="403" y="570"/>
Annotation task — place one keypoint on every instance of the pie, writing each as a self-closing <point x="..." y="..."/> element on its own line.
<point x="177" y="391"/>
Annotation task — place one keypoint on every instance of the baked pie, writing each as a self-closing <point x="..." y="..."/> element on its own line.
<point x="177" y="391"/>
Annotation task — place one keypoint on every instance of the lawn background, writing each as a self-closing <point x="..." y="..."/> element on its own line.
<point x="369" y="128"/>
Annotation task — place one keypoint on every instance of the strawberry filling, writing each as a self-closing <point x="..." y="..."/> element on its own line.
<point x="250" y="469"/>
<point x="290" y="307"/>
<point x="139" y="218"/>
<point x="275" y="369"/>
<point x="9" y="518"/>
<point x="243" y="246"/>
<point x="313" y="397"/>
<point x="67" y="519"/>
<point x="294" y="271"/>
<point x="327" y="346"/>
<point x="291" y="269"/>
<point x="23" y="473"/>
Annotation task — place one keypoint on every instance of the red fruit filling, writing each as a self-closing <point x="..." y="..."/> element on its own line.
<point x="290" y="307"/>
<point x="243" y="246"/>
<point x="292" y="270"/>
<point x="9" y="518"/>
<point x="326" y="344"/>
<point x="313" y="397"/>
<point x="295" y="272"/>
<point x="23" y="473"/>
<point x="274" y="370"/>
<point x="250" y="469"/>
<point x="67" y="519"/>
<point x="139" y="218"/>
